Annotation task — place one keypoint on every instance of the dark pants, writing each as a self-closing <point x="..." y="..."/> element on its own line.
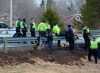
<point x="50" y="44"/>
<point x="38" y="41"/>
<point x="99" y="53"/>
<point x="17" y="30"/>
<point x="32" y="32"/>
<point x="18" y="33"/>
<point x="87" y="42"/>
<point x="71" y="43"/>
<point x="42" y="33"/>
<point x="58" y="42"/>
<point x="94" y="53"/>
<point x="24" y="32"/>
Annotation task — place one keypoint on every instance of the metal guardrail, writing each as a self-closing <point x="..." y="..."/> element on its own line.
<point x="1" y="40"/>
<point x="21" y="39"/>
<point x="54" y="38"/>
<point x="95" y="31"/>
<point x="5" y="40"/>
<point x="92" y="31"/>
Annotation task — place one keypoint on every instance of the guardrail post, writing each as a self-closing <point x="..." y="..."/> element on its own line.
<point x="38" y="40"/>
<point x="59" y="43"/>
<point x="39" y="43"/>
<point x="5" y="45"/>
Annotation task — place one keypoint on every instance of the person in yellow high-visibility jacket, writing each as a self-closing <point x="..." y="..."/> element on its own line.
<point x="42" y="29"/>
<point x="17" y="25"/>
<point x="98" y="40"/>
<point x="32" y="27"/>
<point x="56" y="30"/>
<point x="86" y="36"/>
<point x="23" y="26"/>
<point x="93" y="50"/>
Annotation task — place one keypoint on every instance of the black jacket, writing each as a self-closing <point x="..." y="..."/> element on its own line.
<point x="49" y="35"/>
<point x="69" y="33"/>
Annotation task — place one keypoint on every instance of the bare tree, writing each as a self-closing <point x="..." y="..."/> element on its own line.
<point x="29" y="8"/>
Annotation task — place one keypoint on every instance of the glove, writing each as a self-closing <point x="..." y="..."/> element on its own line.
<point x="89" y="36"/>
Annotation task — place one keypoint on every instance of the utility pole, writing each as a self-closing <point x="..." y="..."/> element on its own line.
<point x="11" y="13"/>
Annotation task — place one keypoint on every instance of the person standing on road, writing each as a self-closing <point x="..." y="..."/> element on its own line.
<point x="98" y="40"/>
<point x="17" y="24"/>
<point x="32" y="27"/>
<point x="23" y="26"/>
<point x="42" y="29"/>
<point x="49" y="36"/>
<point x="86" y="36"/>
<point x="57" y="32"/>
<point x="69" y="35"/>
<point x="93" y="50"/>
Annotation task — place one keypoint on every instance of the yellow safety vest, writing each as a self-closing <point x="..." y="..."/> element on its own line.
<point x="22" y="26"/>
<point x="16" y="23"/>
<point x="94" y="45"/>
<point x="56" y="29"/>
<point x="34" y="26"/>
<point x="88" y="30"/>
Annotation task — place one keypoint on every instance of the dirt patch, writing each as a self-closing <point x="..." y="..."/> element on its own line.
<point x="15" y="57"/>
<point x="61" y="56"/>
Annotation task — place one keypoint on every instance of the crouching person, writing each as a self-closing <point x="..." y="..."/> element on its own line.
<point x="49" y="35"/>
<point x="93" y="50"/>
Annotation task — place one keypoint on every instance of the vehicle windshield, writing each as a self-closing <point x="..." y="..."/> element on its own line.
<point x="3" y="25"/>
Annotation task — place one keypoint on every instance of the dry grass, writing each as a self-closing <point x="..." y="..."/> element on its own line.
<point x="60" y="61"/>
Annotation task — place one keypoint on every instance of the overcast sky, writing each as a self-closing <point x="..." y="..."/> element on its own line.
<point x="38" y="2"/>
